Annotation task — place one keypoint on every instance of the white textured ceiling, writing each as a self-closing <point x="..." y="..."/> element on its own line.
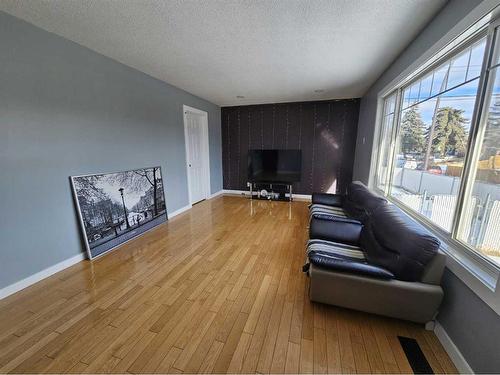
<point x="266" y="50"/>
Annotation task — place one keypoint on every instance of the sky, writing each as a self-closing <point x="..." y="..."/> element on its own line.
<point x="466" y="66"/>
<point x="111" y="189"/>
<point x="460" y="98"/>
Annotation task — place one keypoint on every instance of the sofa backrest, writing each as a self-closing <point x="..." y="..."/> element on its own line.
<point x="394" y="241"/>
<point x="361" y="201"/>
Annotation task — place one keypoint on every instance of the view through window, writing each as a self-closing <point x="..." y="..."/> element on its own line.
<point x="480" y="224"/>
<point x="430" y="149"/>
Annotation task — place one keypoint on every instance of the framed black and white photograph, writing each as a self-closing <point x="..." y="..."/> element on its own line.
<point x="116" y="207"/>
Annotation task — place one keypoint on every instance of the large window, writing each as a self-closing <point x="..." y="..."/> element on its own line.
<point x="433" y="136"/>
<point x="439" y="159"/>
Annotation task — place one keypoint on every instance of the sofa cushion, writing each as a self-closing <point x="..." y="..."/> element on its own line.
<point x="357" y="268"/>
<point x="393" y="241"/>
<point x="321" y="209"/>
<point x="336" y="249"/>
<point x="335" y="229"/>
<point x="328" y="199"/>
<point x="343" y="258"/>
<point x="361" y="201"/>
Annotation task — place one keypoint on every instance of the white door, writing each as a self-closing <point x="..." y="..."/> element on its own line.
<point x="196" y="154"/>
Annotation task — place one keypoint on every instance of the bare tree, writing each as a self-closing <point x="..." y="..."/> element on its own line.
<point x="86" y="187"/>
<point x="153" y="181"/>
<point x="139" y="181"/>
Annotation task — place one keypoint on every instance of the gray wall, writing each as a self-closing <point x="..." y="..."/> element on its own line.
<point x="66" y="110"/>
<point x="472" y="325"/>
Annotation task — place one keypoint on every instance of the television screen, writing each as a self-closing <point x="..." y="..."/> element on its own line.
<point x="274" y="166"/>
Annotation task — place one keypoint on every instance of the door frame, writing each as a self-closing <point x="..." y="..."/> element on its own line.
<point x="205" y="150"/>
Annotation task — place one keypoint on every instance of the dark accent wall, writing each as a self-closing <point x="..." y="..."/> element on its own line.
<point x="325" y="131"/>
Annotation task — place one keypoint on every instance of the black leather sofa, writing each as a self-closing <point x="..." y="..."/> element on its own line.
<point x="356" y="204"/>
<point x="373" y="258"/>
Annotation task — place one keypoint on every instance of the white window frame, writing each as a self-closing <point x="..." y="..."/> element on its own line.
<point x="475" y="270"/>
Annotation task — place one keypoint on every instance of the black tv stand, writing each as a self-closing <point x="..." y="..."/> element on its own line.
<point x="271" y="194"/>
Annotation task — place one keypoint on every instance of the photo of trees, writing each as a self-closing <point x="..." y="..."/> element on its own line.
<point x="116" y="207"/>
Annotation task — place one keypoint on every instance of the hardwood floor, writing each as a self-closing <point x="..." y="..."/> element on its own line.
<point x="217" y="289"/>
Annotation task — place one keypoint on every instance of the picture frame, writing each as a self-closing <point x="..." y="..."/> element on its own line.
<point x="116" y="207"/>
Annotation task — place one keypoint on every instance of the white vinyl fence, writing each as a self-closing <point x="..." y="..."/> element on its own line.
<point x="480" y="217"/>
<point x="434" y="196"/>
<point x="491" y="237"/>
<point x="416" y="182"/>
<point x="443" y="208"/>
<point x="413" y="201"/>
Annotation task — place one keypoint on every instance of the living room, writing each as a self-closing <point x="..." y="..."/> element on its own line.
<point x="230" y="186"/>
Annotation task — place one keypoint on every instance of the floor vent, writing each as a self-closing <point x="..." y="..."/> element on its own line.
<point x="415" y="356"/>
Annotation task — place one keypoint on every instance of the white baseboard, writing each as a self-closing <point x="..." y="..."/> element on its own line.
<point x="220" y="192"/>
<point x="179" y="211"/>
<point x="456" y="357"/>
<point x="30" y="280"/>
<point x="247" y="193"/>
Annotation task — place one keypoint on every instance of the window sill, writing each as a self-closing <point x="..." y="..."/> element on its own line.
<point x="486" y="274"/>
<point x="474" y="275"/>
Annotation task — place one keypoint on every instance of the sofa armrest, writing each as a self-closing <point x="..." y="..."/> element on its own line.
<point x="433" y="271"/>
<point x="341" y="230"/>
<point x="335" y="200"/>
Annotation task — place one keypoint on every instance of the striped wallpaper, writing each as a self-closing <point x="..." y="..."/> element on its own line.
<point x="325" y="131"/>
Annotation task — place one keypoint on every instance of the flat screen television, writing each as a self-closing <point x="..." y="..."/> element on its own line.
<point x="278" y="166"/>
